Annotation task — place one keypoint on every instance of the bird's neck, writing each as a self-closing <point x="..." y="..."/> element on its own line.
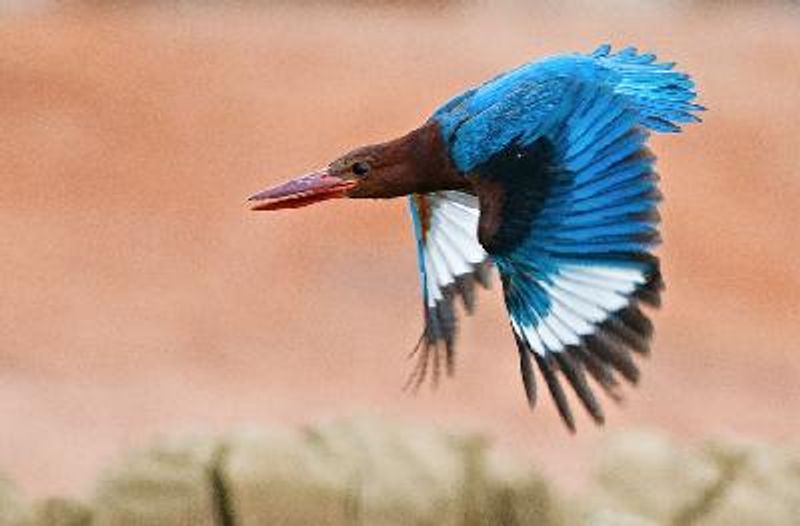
<point x="433" y="168"/>
<point x="418" y="162"/>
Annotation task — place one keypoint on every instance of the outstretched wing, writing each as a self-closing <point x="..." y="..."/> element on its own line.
<point x="568" y="196"/>
<point x="569" y="216"/>
<point x="482" y="121"/>
<point x="451" y="262"/>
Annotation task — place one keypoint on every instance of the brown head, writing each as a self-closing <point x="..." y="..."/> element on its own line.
<point x="415" y="163"/>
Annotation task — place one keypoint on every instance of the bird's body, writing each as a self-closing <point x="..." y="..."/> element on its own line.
<point x="542" y="172"/>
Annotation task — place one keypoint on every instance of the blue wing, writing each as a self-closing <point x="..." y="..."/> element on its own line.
<point x="568" y="201"/>
<point x="451" y="261"/>
<point x="482" y="121"/>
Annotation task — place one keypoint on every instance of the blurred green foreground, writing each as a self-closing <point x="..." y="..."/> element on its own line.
<point x="373" y="472"/>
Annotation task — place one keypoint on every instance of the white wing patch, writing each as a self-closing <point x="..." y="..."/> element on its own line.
<point x="450" y="244"/>
<point x="451" y="260"/>
<point x="582" y="297"/>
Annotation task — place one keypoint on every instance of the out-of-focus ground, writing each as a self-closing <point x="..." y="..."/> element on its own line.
<point x="140" y="297"/>
<point x="352" y="471"/>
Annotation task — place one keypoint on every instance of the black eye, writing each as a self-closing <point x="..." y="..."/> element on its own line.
<point x="360" y="168"/>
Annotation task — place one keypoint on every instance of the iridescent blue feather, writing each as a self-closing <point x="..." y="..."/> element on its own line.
<point x="564" y="141"/>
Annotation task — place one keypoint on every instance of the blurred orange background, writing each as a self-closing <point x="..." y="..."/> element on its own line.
<point x="140" y="297"/>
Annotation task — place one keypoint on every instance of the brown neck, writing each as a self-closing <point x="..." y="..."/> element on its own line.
<point x="415" y="163"/>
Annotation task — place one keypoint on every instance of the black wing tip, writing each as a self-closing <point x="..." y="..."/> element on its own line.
<point x="600" y="371"/>
<point x="649" y="293"/>
<point x="482" y="273"/>
<point x="548" y="370"/>
<point x="573" y="371"/>
<point x="441" y="327"/>
<point x="429" y="356"/>
<point x="607" y="354"/>
<point x="526" y="370"/>
<point x="419" y="372"/>
<point x="604" y="356"/>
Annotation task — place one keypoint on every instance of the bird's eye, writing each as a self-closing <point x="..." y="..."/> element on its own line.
<point x="360" y="168"/>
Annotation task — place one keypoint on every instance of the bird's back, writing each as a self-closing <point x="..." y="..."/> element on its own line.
<point x="481" y="121"/>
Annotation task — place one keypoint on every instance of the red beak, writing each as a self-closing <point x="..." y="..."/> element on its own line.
<point x="303" y="191"/>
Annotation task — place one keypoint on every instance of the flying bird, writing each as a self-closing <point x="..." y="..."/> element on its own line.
<point x="543" y="173"/>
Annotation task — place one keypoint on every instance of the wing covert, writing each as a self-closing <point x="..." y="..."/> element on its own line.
<point x="519" y="104"/>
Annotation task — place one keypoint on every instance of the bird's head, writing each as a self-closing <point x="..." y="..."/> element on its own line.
<point x="412" y="163"/>
<point x="356" y="174"/>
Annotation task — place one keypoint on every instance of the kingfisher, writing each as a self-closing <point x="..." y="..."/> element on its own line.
<point x="544" y="174"/>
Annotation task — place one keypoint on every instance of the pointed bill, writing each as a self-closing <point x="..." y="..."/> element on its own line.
<point x="302" y="191"/>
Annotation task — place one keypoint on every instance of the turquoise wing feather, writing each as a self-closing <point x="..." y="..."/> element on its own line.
<point x="568" y="198"/>
<point x="482" y="121"/>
